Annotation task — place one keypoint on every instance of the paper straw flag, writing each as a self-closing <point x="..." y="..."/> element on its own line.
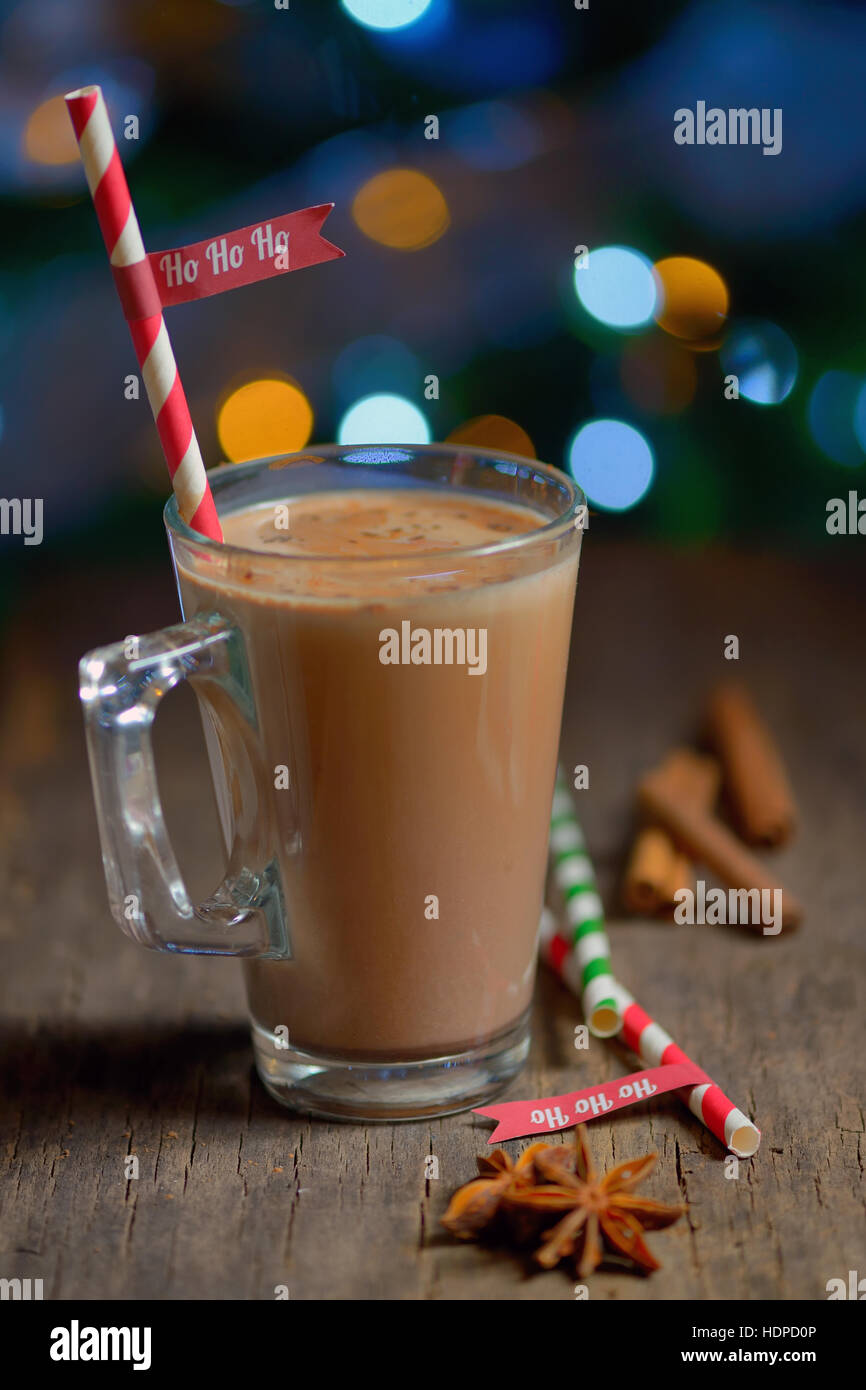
<point x="655" y="1048"/>
<point x="120" y="232"/>
<point x="586" y="957"/>
<point x="572" y="868"/>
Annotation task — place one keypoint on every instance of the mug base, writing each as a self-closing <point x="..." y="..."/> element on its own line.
<point x="386" y="1091"/>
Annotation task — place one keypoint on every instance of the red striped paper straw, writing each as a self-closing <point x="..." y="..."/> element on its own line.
<point x="707" y="1103"/>
<point x="656" y="1048"/>
<point x="120" y="232"/>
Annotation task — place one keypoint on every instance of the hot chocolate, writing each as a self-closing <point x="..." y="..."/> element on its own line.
<point x="404" y="799"/>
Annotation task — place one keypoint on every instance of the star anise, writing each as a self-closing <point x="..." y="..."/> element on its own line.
<point x="594" y="1212"/>
<point x="474" y="1208"/>
<point x="553" y="1193"/>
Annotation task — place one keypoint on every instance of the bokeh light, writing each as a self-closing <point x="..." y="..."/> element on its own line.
<point x="493" y="135"/>
<point x="763" y="359"/>
<point x="270" y="416"/>
<point x="386" y="14"/>
<point x="342" y="163"/>
<point x="381" y="419"/>
<point x="38" y="149"/>
<point x="401" y="208"/>
<point x="617" y="286"/>
<point x="376" y="362"/>
<point x="692" y="298"/>
<point x="831" y="415"/>
<point x="658" y="375"/>
<point x="494" y="432"/>
<point x="48" y="135"/>
<point x="612" y="462"/>
<point x="482" y="48"/>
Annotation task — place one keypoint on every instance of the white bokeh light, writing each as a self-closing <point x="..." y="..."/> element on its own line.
<point x="386" y="14"/>
<point x="383" y="419"/>
<point x="617" y="286"/>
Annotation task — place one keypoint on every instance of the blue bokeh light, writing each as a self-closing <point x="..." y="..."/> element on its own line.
<point x="383" y="417"/>
<point x="803" y="58"/>
<point x="386" y="14"/>
<point x="344" y="162"/>
<point x="612" y="462"/>
<point x="617" y="286"/>
<point x="831" y="415"/>
<point x="763" y="359"/>
<point x="374" y="363"/>
<point x="493" y="135"/>
<point x="480" y="54"/>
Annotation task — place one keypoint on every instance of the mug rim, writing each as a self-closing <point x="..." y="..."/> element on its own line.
<point x="550" y="530"/>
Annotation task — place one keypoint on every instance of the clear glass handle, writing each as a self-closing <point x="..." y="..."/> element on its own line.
<point x="121" y="687"/>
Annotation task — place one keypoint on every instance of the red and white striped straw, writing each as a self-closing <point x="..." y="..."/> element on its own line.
<point x="122" y="237"/>
<point x="649" y="1041"/>
<point x="707" y="1103"/>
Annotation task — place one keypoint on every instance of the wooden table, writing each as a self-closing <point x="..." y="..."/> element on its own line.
<point x="108" y="1050"/>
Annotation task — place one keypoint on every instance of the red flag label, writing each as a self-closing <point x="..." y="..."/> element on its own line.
<point x="531" y="1117"/>
<point x="257" y="252"/>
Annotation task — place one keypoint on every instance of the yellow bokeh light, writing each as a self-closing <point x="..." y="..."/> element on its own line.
<point x="693" y="298"/>
<point x="264" y="417"/>
<point x="401" y="208"/>
<point x="494" y="432"/>
<point x="48" y="135"/>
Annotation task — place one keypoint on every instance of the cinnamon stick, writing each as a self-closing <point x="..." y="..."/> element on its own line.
<point x="652" y="863"/>
<point x="755" y="778"/>
<point x="680" y="875"/>
<point x="703" y="836"/>
<point x="657" y="869"/>
<point x="695" y="777"/>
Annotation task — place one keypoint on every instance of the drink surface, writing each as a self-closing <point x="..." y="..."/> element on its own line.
<point x="391" y="524"/>
<point x="323" y="535"/>
<point x="405" y="806"/>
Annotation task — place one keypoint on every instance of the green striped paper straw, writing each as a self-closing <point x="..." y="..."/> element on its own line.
<point x="575" y="877"/>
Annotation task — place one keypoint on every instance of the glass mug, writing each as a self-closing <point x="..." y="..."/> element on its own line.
<point x="385" y="825"/>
